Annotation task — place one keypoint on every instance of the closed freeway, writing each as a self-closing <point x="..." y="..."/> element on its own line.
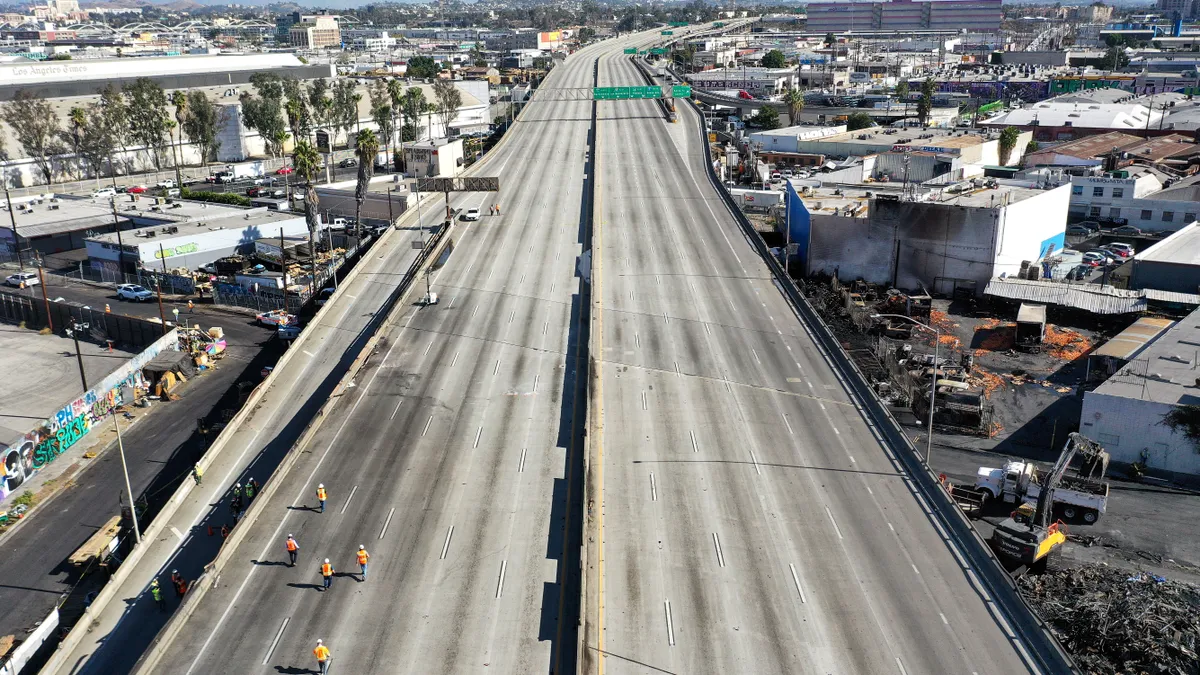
<point x="449" y="460"/>
<point x="751" y="523"/>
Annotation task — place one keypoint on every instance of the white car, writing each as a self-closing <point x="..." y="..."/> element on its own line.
<point x="26" y="278"/>
<point x="471" y="214"/>
<point x="166" y="184"/>
<point x="104" y="192"/>
<point x="133" y="292"/>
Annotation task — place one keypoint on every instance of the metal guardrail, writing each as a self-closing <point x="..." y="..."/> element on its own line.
<point x="1042" y="649"/>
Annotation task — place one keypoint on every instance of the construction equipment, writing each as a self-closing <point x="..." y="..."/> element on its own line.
<point x="1027" y="543"/>
<point x="1080" y="497"/>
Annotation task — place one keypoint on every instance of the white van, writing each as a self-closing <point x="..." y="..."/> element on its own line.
<point x="104" y="192"/>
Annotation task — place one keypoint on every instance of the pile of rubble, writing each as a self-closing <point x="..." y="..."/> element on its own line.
<point x="1113" y="621"/>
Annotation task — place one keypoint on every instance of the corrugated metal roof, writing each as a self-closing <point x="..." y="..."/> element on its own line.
<point x="1131" y="340"/>
<point x="1088" y="297"/>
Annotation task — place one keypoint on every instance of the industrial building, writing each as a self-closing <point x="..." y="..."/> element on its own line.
<point x="942" y="241"/>
<point x="439" y="157"/>
<point x="756" y="81"/>
<point x="1126" y="413"/>
<point x="1172" y="264"/>
<point x="315" y="32"/>
<point x="1063" y="121"/>
<point x="841" y="16"/>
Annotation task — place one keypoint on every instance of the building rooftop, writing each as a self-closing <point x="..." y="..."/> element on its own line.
<point x="1181" y="248"/>
<point x="216" y="218"/>
<point x="1002" y="195"/>
<point x="39" y="216"/>
<point x="1154" y="149"/>
<point x="1133" y="339"/>
<point x="1107" y="95"/>
<point x="1166" y="371"/>
<point x="1087" y="116"/>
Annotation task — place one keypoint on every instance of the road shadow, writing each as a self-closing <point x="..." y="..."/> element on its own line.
<point x="293" y="670"/>
<point x="316" y="587"/>
<point x="270" y="563"/>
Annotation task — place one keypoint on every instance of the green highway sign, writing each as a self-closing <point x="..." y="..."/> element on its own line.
<point x="661" y="51"/>
<point x="631" y="50"/>
<point x="681" y="91"/>
<point x="668" y="32"/>
<point x="678" y="24"/>
<point x="626" y="93"/>
<point x="718" y="25"/>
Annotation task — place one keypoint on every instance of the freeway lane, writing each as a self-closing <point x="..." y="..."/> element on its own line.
<point x="751" y="522"/>
<point x="449" y="461"/>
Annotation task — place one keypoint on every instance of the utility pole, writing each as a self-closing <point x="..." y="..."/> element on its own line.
<point x="162" y="316"/>
<point x="45" y="300"/>
<point x="73" y="331"/>
<point x="137" y="533"/>
<point x="12" y="215"/>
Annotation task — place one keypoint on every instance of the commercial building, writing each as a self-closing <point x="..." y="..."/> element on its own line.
<point x="757" y="81"/>
<point x="841" y="16"/>
<point x="1060" y="121"/>
<point x="47" y="224"/>
<point x="1172" y="264"/>
<point x="434" y="158"/>
<point x="1126" y="414"/>
<point x="941" y="241"/>
<point x="315" y="32"/>
<point x="1135" y="197"/>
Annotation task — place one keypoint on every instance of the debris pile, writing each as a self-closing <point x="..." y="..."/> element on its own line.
<point x="985" y="380"/>
<point x="992" y="335"/>
<point x="1065" y="344"/>
<point x="1115" y="622"/>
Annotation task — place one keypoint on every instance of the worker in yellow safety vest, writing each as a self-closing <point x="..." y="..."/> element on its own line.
<point x="363" y="557"/>
<point x="322" y="496"/>
<point x="323" y="657"/>
<point x="327" y="574"/>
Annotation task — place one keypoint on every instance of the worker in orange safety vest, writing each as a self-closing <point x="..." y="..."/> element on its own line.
<point x="327" y="574"/>
<point x="363" y="557"/>
<point x="322" y="496"/>
<point x="292" y="548"/>
<point x="323" y="657"/>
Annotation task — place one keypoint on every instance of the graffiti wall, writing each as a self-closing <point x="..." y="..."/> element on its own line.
<point x="23" y="458"/>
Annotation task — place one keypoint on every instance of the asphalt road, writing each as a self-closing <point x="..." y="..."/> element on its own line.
<point x="751" y="521"/>
<point x="122" y="632"/>
<point x="449" y="461"/>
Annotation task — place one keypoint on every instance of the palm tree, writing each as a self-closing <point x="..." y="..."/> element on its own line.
<point x="366" y="146"/>
<point x="307" y="162"/>
<point x="77" y="119"/>
<point x="794" y="99"/>
<point x="179" y="100"/>
<point x="357" y="98"/>
<point x="396" y="94"/>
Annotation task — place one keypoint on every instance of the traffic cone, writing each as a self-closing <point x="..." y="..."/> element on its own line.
<point x="107" y="309"/>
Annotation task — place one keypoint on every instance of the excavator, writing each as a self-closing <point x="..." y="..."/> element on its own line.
<point x="1026" y="541"/>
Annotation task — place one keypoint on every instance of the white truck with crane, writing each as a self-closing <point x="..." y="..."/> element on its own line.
<point x="1079" y="497"/>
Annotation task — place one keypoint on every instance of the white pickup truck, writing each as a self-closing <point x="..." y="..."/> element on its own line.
<point x="1017" y="482"/>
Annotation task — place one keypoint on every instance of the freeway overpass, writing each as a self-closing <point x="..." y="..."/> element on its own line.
<point x="742" y="513"/>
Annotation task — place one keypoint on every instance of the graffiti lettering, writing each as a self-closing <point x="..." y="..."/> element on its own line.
<point x="62" y="441"/>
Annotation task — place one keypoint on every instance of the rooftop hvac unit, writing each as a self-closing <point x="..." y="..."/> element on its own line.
<point x="53" y="207"/>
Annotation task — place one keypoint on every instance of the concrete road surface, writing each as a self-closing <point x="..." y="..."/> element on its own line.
<point x="751" y="522"/>
<point x="450" y="461"/>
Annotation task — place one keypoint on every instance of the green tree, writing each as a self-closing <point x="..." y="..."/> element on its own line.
<point x="264" y="112"/>
<point x="116" y="122"/>
<point x="414" y="107"/>
<point x="774" y="59"/>
<point x="146" y="106"/>
<point x="859" y="120"/>
<point x="422" y="67"/>
<point x="36" y="128"/>
<point x="345" y="108"/>
<point x="366" y="146"/>
<point x="1031" y="146"/>
<point x="98" y="141"/>
<point x="925" y="104"/>
<point x="307" y="162"/>
<point x="202" y="124"/>
<point x="767" y="118"/>
<point x="830" y="40"/>
<point x="1114" y="59"/>
<point x="448" y="100"/>
<point x="396" y="101"/>
<point x="76" y="120"/>
<point x="794" y="98"/>
<point x="1008" y="141"/>
<point x="179" y="99"/>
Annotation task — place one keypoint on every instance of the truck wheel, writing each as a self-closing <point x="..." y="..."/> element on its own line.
<point x="1070" y="513"/>
<point x="1090" y="517"/>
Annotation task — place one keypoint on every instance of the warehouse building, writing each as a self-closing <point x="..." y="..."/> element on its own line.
<point x="904" y="15"/>
<point x="1172" y="264"/>
<point x="1126" y="413"/>
<point x="942" y="241"/>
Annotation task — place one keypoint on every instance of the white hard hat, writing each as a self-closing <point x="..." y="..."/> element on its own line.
<point x="360" y="546"/>
<point x="237" y="485"/>
<point x="327" y="560"/>
<point x="320" y="485"/>
<point x="318" y="642"/>
<point x="289" y="536"/>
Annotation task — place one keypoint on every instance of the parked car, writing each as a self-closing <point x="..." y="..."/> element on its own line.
<point x="226" y="177"/>
<point x="173" y="192"/>
<point x="275" y="317"/>
<point x="471" y="214"/>
<point x="254" y="191"/>
<point x="104" y="192"/>
<point x="1093" y="259"/>
<point x="350" y="161"/>
<point x="284" y="170"/>
<point x="288" y="331"/>
<point x="1089" y="224"/>
<point x="26" y="278"/>
<point x="1079" y="230"/>
<point x="136" y="189"/>
<point x="1127" y="230"/>
<point x="164" y="184"/>
<point x="1121" y="248"/>
<point x="133" y="292"/>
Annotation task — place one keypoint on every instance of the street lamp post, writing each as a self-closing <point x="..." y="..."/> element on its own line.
<point x="937" y="341"/>
<point x="137" y="534"/>
<point x="73" y="331"/>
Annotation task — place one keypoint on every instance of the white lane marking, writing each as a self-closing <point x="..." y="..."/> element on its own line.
<point x="915" y="569"/>
<point x="677" y="368"/>
<point x="497" y="368"/>
<point x="754" y="459"/>
<point x="387" y="522"/>
<point x="789" y="424"/>
<point x="720" y="553"/>
<point x="427" y="348"/>
<point x="835" y="525"/>
<point x="477" y="435"/>
<point x="670" y="624"/>
<point x="835" y="430"/>
<point x="755" y="352"/>
<point x="796" y="579"/>
<point x="821" y="404"/>
<point x="695" y="448"/>
<point x="851" y="458"/>
<point x="900" y="664"/>
<point x="427" y="423"/>
<point x="869" y="491"/>
<point x="500" y="581"/>
<point x="275" y="642"/>
<point x="521" y="466"/>
<point x="451" y="305"/>
<point x="176" y="532"/>
<point x="309" y="353"/>
<point x="474" y="311"/>
<point x="456" y="361"/>
<point x="653" y="488"/>
<point x="511" y="315"/>
<point x="347" y="504"/>
<point x="944" y="618"/>
<point x="637" y="339"/>
<point x="446" y="545"/>
<point x="891" y="528"/>
<point x="544" y="324"/>
<point x="400" y="403"/>
<point x="644" y="401"/>
<point x="536" y="378"/>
